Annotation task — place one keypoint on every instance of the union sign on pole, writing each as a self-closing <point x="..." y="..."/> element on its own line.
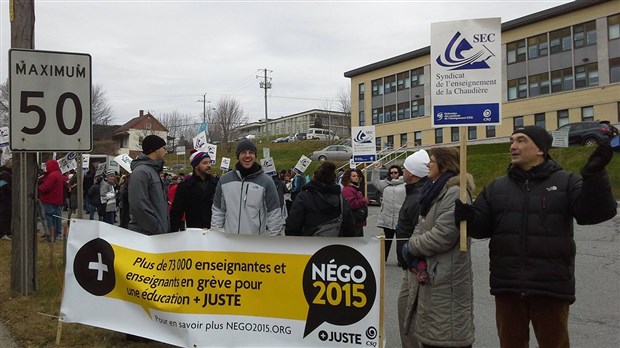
<point x="50" y="106"/>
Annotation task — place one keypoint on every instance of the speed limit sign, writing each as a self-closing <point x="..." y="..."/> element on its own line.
<point x="50" y="101"/>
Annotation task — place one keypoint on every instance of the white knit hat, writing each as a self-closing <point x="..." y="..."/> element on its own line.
<point x="416" y="163"/>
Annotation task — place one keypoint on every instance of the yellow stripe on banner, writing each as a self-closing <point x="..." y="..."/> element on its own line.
<point x="200" y="282"/>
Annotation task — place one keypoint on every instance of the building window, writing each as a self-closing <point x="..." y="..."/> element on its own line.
<point x="148" y="126"/>
<point x="539" y="84"/>
<point x="472" y="132"/>
<point x="390" y="113"/>
<point x="515" y="52"/>
<point x="361" y="118"/>
<point x="361" y="90"/>
<point x="454" y="133"/>
<point x="377" y="115"/>
<point x="403" y="139"/>
<point x="389" y="143"/>
<point x="614" y="70"/>
<point x="417" y="77"/>
<point x="517" y="122"/>
<point x="586" y="75"/>
<point x="438" y="135"/>
<point x="562" y="80"/>
<point x="140" y="141"/>
<point x="587" y="113"/>
<point x="378" y="143"/>
<point x="377" y="87"/>
<point x="613" y="27"/>
<point x="560" y="40"/>
<point x="404" y="111"/>
<point x="562" y="117"/>
<point x="517" y="89"/>
<point x="584" y="34"/>
<point x="403" y="81"/>
<point x="490" y="131"/>
<point x="417" y="108"/>
<point x="389" y="84"/>
<point x="417" y="138"/>
<point x="537" y="46"/>
<point x="539" y="120"/>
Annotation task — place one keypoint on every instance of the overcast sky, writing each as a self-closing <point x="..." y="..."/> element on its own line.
<point x="162" y="56"/>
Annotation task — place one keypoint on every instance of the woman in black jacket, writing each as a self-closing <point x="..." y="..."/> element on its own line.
<point x="319" y="202"/>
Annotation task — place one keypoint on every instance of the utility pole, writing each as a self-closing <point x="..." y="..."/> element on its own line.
<point x="24" y="243"/>
<point x="204" y="107"/>
<point x="266" y="84"/>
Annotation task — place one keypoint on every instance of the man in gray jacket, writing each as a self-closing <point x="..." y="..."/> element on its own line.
<point x="246" y="200"/>
<point x="148" y="202"/>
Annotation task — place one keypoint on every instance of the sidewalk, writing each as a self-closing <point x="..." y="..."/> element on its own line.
<point x="6" y="340"/>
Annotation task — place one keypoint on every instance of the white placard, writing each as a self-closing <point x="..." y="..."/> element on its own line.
<point x="180" y="150"/>
<point x="200" y="141"/>
<point x="4" y="136"/>
<point x="124" y="161"/>
<point x="363" y="144"/>
<point x="85" y="161"/>
<point x="302" y="164"/>
<point x="269" y="166"/>
<point x="225" y="163"/>
<point x="100" y="169"/>
<point x="68" y="162"/>
<point x="560" y="137"/>
<point x="266" y="153"/>
<point x="211" y="149"/>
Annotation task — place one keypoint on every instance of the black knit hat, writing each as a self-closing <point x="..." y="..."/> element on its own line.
<point x="152" y="143"/>
<point x="245" y="144"/>
<point x="539" y="136"/>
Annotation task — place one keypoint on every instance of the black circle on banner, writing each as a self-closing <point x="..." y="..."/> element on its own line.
<point x="93" y="267"/>
<point x="339" y="287"/>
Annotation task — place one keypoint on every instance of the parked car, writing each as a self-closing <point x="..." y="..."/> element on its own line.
<point x="333" y="153"/>
<point x="280" y="140"/>
<point x="300" y="136"/>
<point x="588" y="133"/>
<point x="178" y="166"/>
<point x="321" y="134"/>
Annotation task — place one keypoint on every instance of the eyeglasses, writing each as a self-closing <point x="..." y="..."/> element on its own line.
<point x="393" y="172"/>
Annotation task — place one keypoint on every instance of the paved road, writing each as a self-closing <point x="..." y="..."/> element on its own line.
<point x="594" y="318"/>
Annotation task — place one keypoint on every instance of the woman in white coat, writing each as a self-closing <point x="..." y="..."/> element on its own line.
<point x="393" y="192"/>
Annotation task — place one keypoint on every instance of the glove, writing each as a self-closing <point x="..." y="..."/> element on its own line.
<point x="598" y="159"/>
<point x="462" y="211"/>
<point x="411" y="262"/>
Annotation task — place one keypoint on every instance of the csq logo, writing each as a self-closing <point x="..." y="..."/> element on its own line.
<point x="339" y="286"/>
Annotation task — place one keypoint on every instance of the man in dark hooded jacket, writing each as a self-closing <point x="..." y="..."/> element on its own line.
<point x="148" y="202"/>
<point x="528" y="215"/>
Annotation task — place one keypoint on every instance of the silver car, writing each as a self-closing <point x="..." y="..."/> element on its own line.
<point x="333" y="153"/>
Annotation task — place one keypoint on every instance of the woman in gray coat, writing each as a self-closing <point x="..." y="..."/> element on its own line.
<point x="393" y="192"/>
<point x="440" y="306"/>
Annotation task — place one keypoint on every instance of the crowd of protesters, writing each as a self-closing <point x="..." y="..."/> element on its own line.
<point x="528" y="215"/>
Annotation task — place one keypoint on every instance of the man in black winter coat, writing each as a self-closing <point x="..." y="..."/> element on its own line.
<point x="194" y="197"/>
<point x="528" y="214"/>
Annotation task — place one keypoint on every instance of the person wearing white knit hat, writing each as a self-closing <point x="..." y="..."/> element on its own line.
<point x="415" y="176"/>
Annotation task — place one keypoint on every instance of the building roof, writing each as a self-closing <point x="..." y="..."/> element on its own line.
<point x="134" y="121"/>
<point x="513" y="24"/>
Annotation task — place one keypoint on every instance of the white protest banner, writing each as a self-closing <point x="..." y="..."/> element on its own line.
<point x="100" y="169"/>
<point x="225" y="163"/>
<point x="124" y="161"/>
<point x="302" y="164"/>
<point x="200" y="289"/>
<point x="466" y="80"/>
<point x="363" y="144"/>
<point x="68" y="162"/>
<point x="85" y="161"/>
<point x="211" y="149"/>
<point x="560" y="137"/>
<point x="200" y="141"/>
<point x="4" y="136"/>
<point x="266" y="152"/>
<point x="269" y="166"/>
<point x="180" y="150"/>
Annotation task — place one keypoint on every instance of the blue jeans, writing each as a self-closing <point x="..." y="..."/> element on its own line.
<point x="53" y="221"/>
<point x="109" y="217"/>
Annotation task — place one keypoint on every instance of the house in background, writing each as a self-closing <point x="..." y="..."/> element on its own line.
<point x="130" y="135"/>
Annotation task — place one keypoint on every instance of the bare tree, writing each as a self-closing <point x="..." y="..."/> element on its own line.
<point x="180" y="126"/>
<point x="102" y="112"/>
<point x="344" y="100"/>
<point x="4" y="103"/>
<point x="227" y="117"/>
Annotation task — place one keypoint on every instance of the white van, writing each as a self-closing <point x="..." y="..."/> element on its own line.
<point x="321" y="134"/>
